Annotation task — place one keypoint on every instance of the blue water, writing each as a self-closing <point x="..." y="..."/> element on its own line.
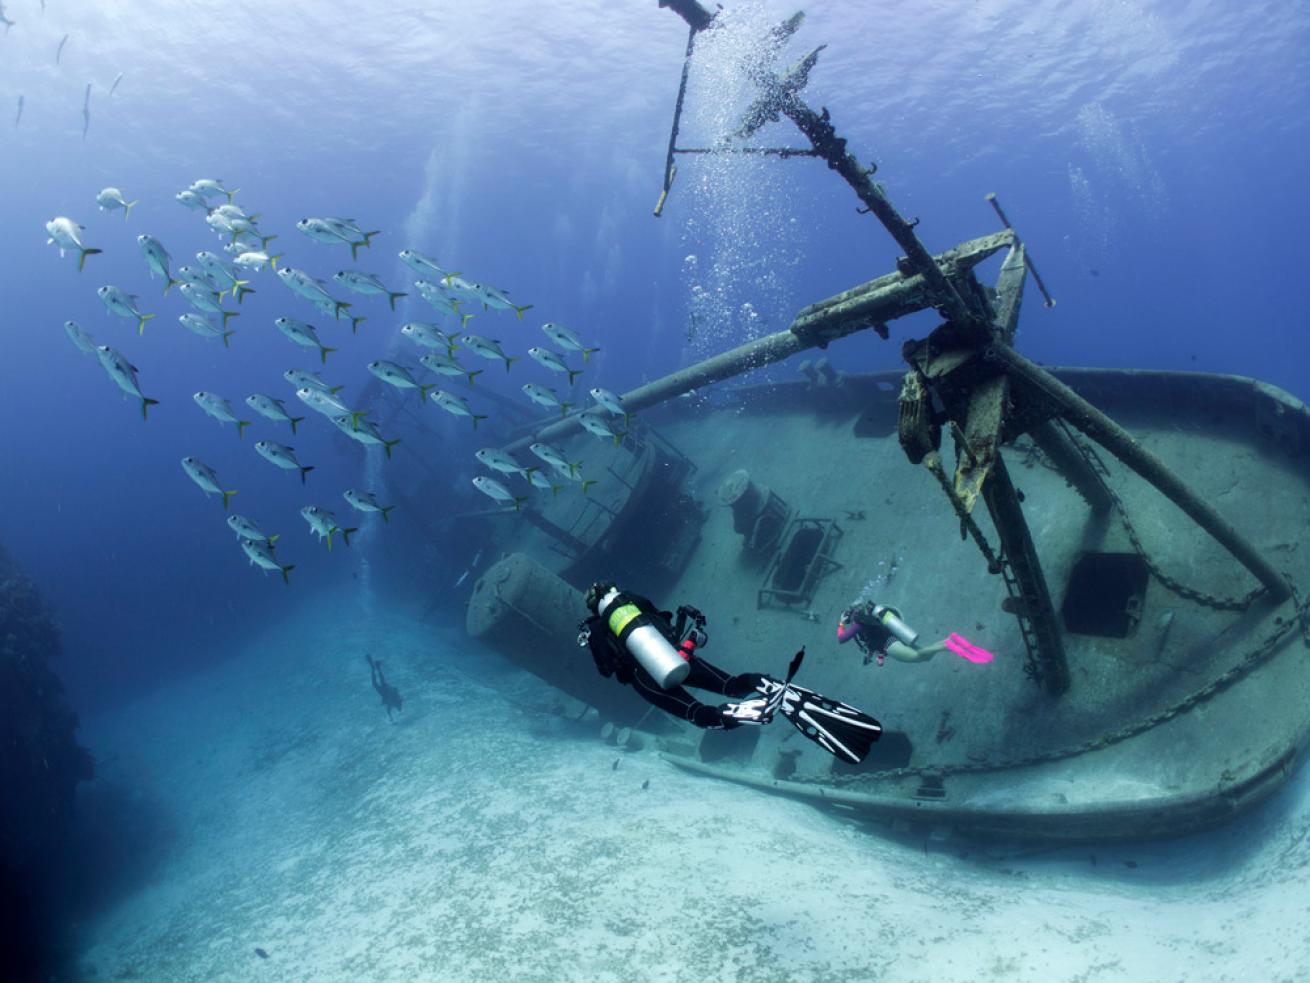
<point x="1151" y="155"/>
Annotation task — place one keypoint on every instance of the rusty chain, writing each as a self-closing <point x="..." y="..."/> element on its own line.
<point x="1169" y="583"/>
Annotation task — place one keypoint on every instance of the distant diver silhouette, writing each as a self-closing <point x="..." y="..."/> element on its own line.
<point x="390" y="695"/>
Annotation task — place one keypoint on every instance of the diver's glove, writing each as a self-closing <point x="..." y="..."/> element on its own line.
<point x="758" y="709"/>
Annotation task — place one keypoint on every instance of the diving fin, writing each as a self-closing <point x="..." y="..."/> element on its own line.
<point x="838" y="728"/>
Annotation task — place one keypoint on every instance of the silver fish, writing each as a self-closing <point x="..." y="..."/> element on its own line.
<point x="367" y="284"/>
<point x="304" y="379"/>
<point x="365" y="501"/>
<point x="224" y="274"/>
<point x="446" y="365"/>
<point x="189" y="199"/>
<point x="347" y="228"/>
<point x="594" y="424"/>
<point x="157" y="259"/>
<point x="457" y="285"/>
<point x="283" y="457"/>
<point x="231" y="209"/>
<point x="320" y="231"/>
<point x="256" y="259"/>
<point x="202" y="326"/>
<point x="494" y="489"/>
<point x="198" y="278"/>
<point x="302" y="283"/>
<point x="439" y="299"/>
<point x="546" y="397"/>
<point x="487" y="348"/>
<point x="455" y="405"/>
<point x="502" y="462"/>
<point x="208" y="188"/>
<point x="324" y="524"/>
<point x="611" y="402"/>
<point x="423" y="265"/>
<point x="248" y="528"/>
<point x="111" y="198"/>
<point x="323" y="401"/>
<point x="555" y="458"/>
<point x="491" y="297"/>
<point x="67" y="234"/>
<point x="363" y="431"/>
<point x="428" y="335"/>
<point x="567" y="339"/>
<point x="303" y="334"/>
<point x="203" y="299"/>
<point x="334" y="230"/>
<point x="261" y="555"/>
<point x="331" y="310"/>
<point x="124" y="305"/>
<point x="207" y="478"/>
<point x="548" y="359"/>
<point x="124" y="373"/>
<point x="398" y="376"/>
<point x="220" y="409"/>
<point x="272" y="409"/>
<point x="77" y="334"/>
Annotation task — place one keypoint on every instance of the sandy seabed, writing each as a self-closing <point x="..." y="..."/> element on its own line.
<point x="478" y="838"/>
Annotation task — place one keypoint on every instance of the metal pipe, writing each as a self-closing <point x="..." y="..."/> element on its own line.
<point x="752" y="355"/>
<point x="1032" y="267"/>
<point x="669" y="170"/>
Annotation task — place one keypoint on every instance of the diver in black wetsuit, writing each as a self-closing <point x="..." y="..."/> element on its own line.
<point x="391" y="698"/>
<point x="613" y="659"/>
<point x="645" y="648"/>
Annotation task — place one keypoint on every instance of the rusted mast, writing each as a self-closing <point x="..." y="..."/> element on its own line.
<point x="970" y="317"/>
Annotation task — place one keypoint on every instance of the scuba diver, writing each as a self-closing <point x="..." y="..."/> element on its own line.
<point x="879" y="631"/>
<point x="647" y="649"/>
<point x="391" y="698"/>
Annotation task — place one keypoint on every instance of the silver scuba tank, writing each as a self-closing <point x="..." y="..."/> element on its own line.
<point x="891" y="620"/>
<point x="645" y="642"/>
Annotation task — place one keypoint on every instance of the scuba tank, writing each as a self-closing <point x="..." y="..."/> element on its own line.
<point x="891" y="620"/>
<point x="637" y="632"/>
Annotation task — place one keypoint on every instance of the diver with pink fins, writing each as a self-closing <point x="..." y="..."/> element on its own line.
<point x="879" y="631"/>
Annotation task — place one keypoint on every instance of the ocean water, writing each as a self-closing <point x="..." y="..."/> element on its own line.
<point x="249" y="792"/>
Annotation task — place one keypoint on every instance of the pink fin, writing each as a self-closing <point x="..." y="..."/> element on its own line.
<point x="965" y="649"/>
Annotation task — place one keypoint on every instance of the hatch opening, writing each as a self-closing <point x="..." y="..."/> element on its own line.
<point x="805" y="558"/>
<point x="1105" y="595"/>
<point x="796" y="561"/>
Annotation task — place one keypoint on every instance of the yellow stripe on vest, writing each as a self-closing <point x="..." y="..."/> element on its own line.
<point x="619" y="619"/>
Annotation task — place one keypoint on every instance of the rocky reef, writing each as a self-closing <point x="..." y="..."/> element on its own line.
<point x="41" y="764"/>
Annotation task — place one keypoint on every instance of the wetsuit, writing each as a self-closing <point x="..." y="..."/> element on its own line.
<point x="613" y="659"/>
